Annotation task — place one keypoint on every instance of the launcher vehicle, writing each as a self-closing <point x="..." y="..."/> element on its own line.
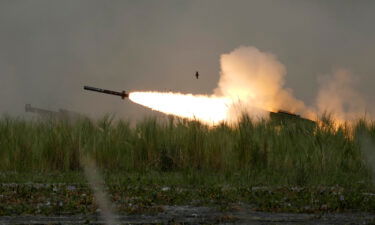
<point x="44" y="113"/>
<point x="282" y="116"/>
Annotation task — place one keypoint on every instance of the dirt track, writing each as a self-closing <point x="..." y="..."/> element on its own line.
<point x="201" y="215"/>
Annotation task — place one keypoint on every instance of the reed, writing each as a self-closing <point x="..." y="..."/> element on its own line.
<point x="263" y="152"/>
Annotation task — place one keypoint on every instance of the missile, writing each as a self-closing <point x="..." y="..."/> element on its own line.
<point x="122" y="94"/>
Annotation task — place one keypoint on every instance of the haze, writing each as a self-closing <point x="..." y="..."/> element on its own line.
<point x="50" y="49"/>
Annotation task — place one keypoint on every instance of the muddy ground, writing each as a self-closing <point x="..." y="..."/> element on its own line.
<point x="74" y="204"/>
<point x="200" y="215"/>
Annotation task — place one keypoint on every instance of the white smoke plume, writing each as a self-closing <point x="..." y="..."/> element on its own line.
<point x="256" y="80"/>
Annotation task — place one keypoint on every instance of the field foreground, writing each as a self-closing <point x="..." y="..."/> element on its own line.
<point x="140" y="199"/>
<point x="188" y="172"/>
<point x="58" y="203"/>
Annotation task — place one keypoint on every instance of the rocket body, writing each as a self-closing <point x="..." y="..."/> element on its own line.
<point x="122" y="94"/>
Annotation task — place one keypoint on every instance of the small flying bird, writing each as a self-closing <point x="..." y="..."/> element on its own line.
<point x="197" y="74"/>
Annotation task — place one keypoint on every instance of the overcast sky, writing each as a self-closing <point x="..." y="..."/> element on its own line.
<point x="49" y="49"/>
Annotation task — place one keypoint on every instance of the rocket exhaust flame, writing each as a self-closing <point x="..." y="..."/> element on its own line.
<point x="208" y="109"/>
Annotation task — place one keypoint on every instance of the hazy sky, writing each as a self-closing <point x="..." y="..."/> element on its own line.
<point x="49" y="49"/>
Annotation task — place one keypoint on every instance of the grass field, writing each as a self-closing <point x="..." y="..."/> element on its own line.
<point x="277" y="166"/>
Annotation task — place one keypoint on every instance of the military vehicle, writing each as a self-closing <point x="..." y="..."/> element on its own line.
<point x="48" y="114"/>
<point x="282" y="116"/>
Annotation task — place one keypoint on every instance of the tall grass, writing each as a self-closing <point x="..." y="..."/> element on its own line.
<point x="265" y="152"/>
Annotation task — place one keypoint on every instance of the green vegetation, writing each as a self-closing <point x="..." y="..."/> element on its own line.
<point x="299" y="167"/>
<point x="263" y="153"/>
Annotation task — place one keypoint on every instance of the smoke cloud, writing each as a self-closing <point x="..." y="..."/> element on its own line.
<point x="338" y="97"/>
<point x="256" y="80"/>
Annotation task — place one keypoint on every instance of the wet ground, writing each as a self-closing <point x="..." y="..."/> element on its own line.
<point x="200" y="215"/>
